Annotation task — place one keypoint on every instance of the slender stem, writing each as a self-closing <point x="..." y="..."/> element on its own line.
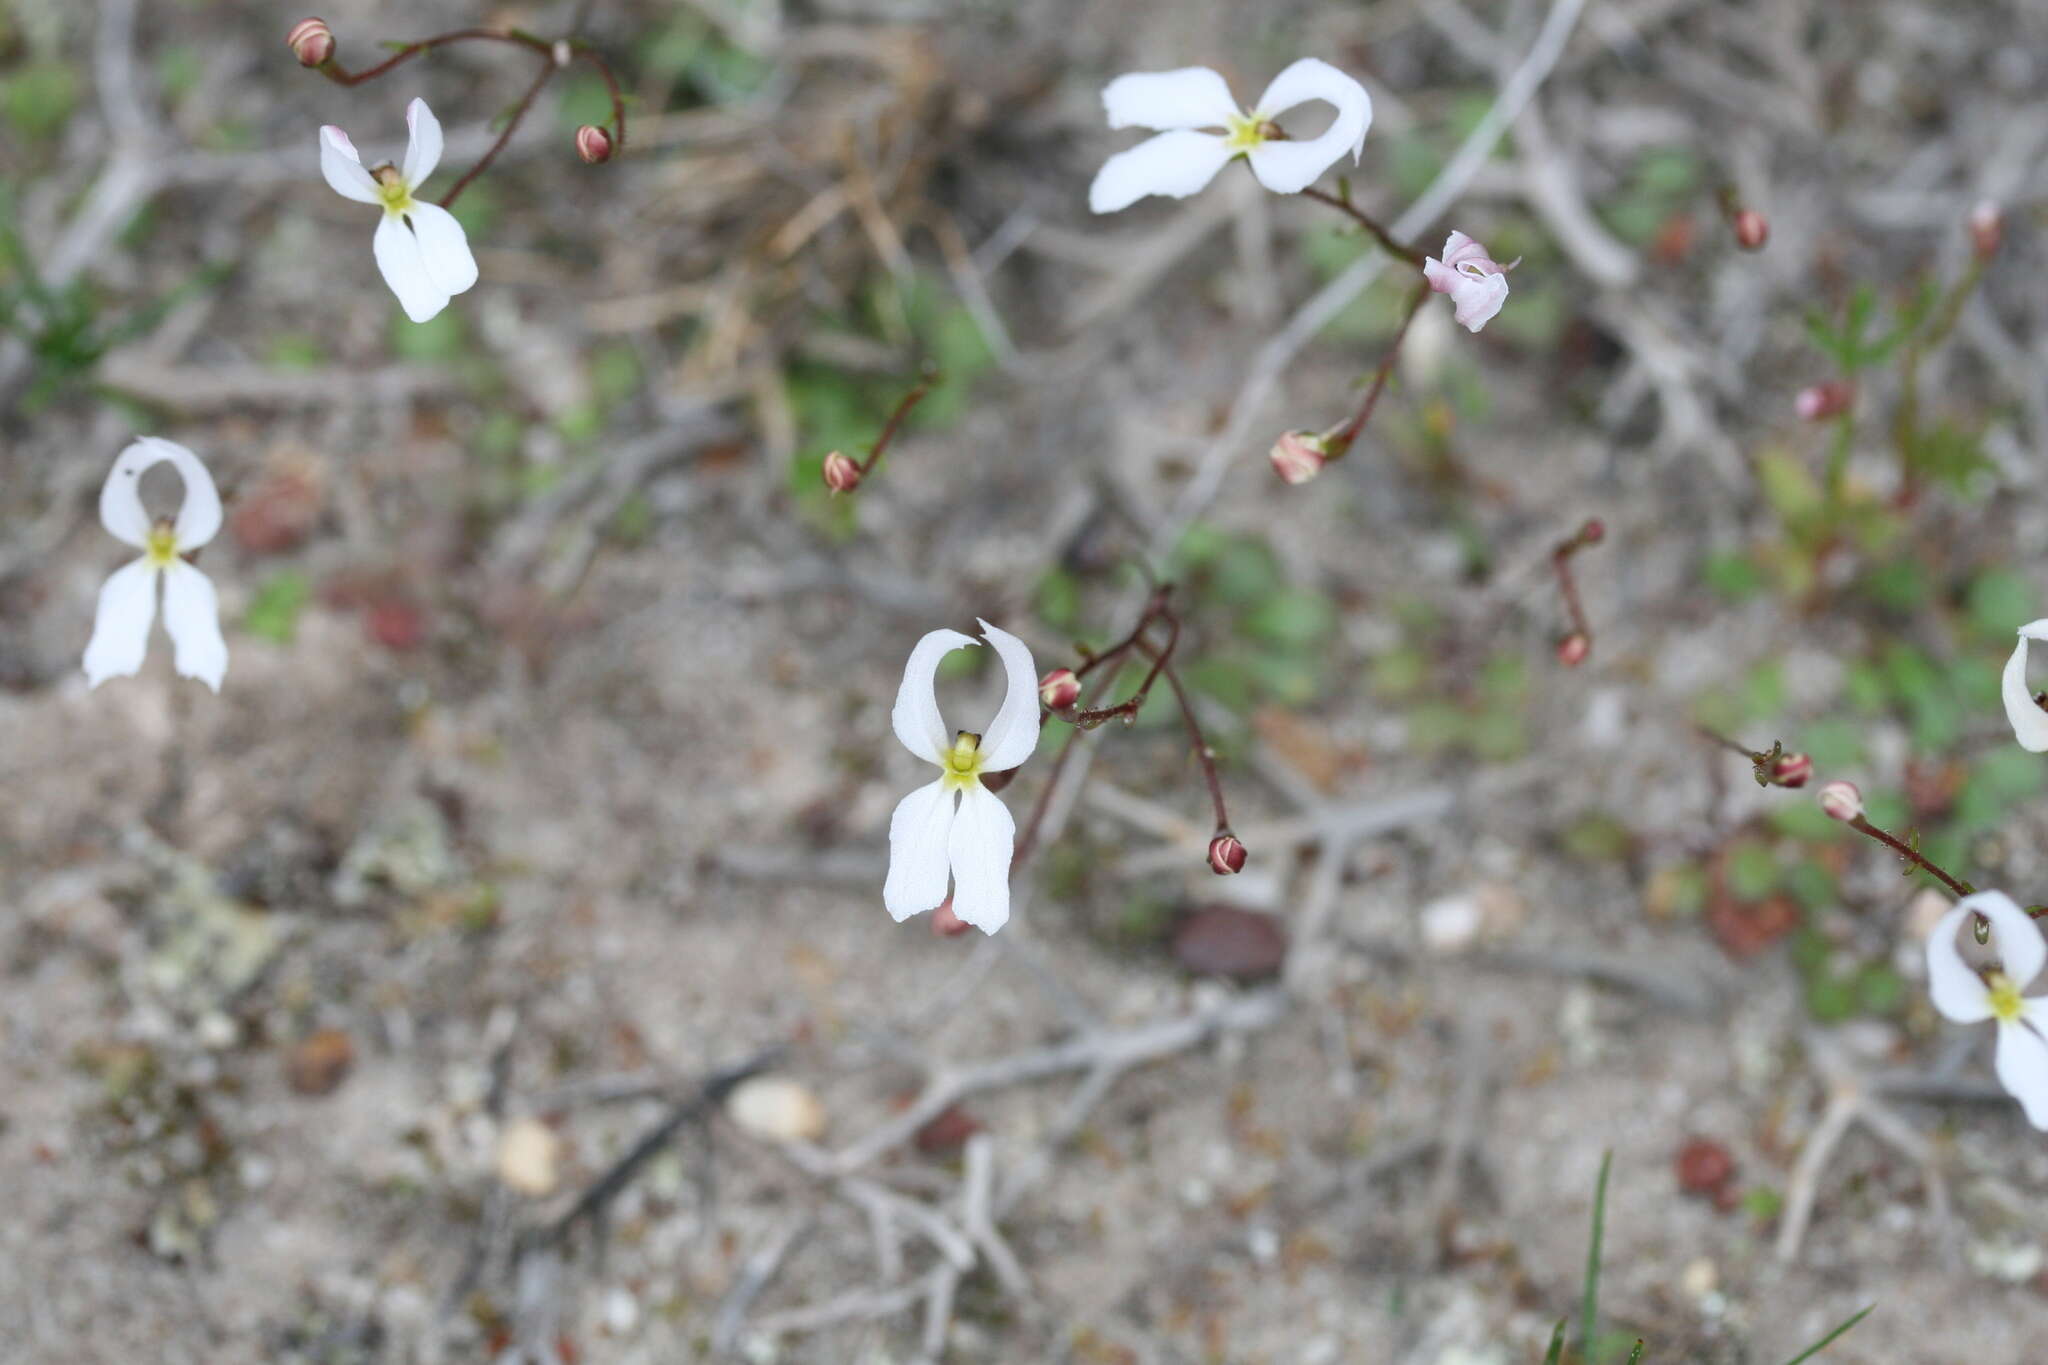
<point x="611" y="85"/>
<point x="1753" y="755"/>
<point x="1911" y="855"/>
<point x="1560" y="561"/>
<point x="889" y="428"/>
<point x="340" y="75"/>
<point x="1359" y="216"/>
<point x="1838" y="456"/>
<point x="1131" y="705"/>
<point x="1340" y="440"/>
<point x="1027" y="839"/>
<point x="547" y="73"/>
<point x="1200" y="743"/>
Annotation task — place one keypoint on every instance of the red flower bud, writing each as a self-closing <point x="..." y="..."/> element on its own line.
<point x="1299" y="456"/>
<point x="593" y="144"/>
<point x="1841" y="801"/>
<point x="1752" y="229"/>
<point x="1791" y="770"/>
<point x="1818" y="402"/>
<point x="311" y="41"/>
<point x="1987" y="228"/>
<point x="1593" y="532"/>
<point x="1573" y="649"/>
<point x="842" y="475"/>
<point x="1059" y="689"/>
<point x="1226" y="854"/>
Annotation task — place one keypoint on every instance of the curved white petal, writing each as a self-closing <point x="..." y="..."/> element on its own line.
<point x="121" y="509"/>
<point x="1957" y="990"/>
<point x="192" y="616"/>
<point x="445" y="247"/>
<point x="423" y="148"/>
<point x="2022" y="1064"/>
<point x="979" y="849"/>
<point x="120" y="626"/>
<point x="1192" y="97"/>
<point x="917" y="851"/>
<point x="403" y="264"/>
<point x="1013" y="735"/>
<point x="1291" y="167"/>
<point x="916" y="717"/>
<point x="344" y="169"/>
<point x="2029" y="722"/>
<point x="1475" y="302"/>
<point x="1175" y="164"/>
<point x="1459" y="248"/>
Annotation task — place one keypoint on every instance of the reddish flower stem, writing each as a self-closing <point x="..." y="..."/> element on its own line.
<point x="340" y="75"/>
<point x="1560" y="562"/>
<point x="895" y="422"/>
<point x="1365" y="220"/>
<point x="1911" y="855"/>
<point x="547" y="73"/>
<point x="1203" y="753"/>
<point x="1340" y="440"/>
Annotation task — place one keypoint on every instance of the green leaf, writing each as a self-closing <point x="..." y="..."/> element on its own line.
<point x="1589" y="1310"/>
<point x="1733" y="575"/>
<point x="1059" y="599"/>
<point x="1556" y="1351"/>
<point x="1752" y="871"/>
<point x="1292" y="618"/>
<point x="1999" y="602"/>
<point x="1828" y="1340"/>
<point x="38" y="98"/>
<point x="273" y="613"/>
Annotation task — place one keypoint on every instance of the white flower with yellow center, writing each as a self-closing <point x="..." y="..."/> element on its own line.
<point x="421" y="249"/>
<point x="1968" y="996"/>
<point x="1182" y="158"/>
<point x="127" y="606"/>
<point x="2029" y="721"/>
<point x="956" y="826"/>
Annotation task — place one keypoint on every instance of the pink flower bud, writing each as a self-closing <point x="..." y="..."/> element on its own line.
<point x="1752" y="229"/>
<point x="311" y="41"/>
<point x="842" y="475"/>
<point x="1593" y="532"/>
<point x="1573" y="649"/>
<point x="1792" y="770"/>
<point x="1059" y="689"/>
<point x="1299" y="456"/>
<point x="1987" y="228"/>
<point x="1226" y="854"/>
<point x="593" y="144"/>
<point x="946" y="924"/>
<point x="1818" y="402"/>
<point x="1841" y="801"/>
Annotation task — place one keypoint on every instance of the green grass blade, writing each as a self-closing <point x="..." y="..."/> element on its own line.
<point x="1635" y="1356"/>
<point x="1589" y="1313"/>
<point x="1821" y="1345"/>
<point x="1556" y="1351"/>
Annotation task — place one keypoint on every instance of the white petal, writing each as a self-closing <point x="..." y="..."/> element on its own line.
<point x="1012" y="736"/>
<point x="344" y="169"/>
<point x="917" y="851"/>
<point x="120" y="627"/>
<point x="121" y="510"/>
<point x="192" y="616"/>
<point x="1459" y="248"/>
<point x="2029" y="722"/>
<point x="1175" y="164"/>
<point x="445" y="247"/>
<point x="1192" y="97"/>
<point x="2022" y="1063"/>
<point x="916" y="717"/>
<point x="423" y="148"/>
<point x="1956" y="989"/>
<point x="1476" y="302"/>
<point x="1291" y="167"/>
<point x="404" y="265"/>
<point x="982" y="840"/>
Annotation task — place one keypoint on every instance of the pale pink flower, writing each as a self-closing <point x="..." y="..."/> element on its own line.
<point x="1477" y="284"/>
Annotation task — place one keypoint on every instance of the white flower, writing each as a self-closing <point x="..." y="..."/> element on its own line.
<point x="1963" y="995"/>
<point x="2029" y="721"/>
<point x="420" y="247"/>
<point x="1181" y="160"/>
<point x="1477" y="284"/>
<point x="928" y="836"/>
<point x="120" y="630"/>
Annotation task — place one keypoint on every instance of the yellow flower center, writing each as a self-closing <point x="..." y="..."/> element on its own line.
<point x="1242" y="132"/>
<point x="392" y="189"/>
<point x="2005" y="999"/>
<point x="962" y="762"/>
<point x="162" y="546"/>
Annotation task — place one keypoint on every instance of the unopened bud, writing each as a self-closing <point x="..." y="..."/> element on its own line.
<point x="946" y="924"/>
<point x="1752" y="229"/>
<point x="1226" y="854"/>
<point x="1841" y="801"/>
<point x="1987" y="228"/>
<point x="842" y="475"/>
<point x="1299" y="456"/>
<point x="593" y="144"/>
<point x="1791" y="770"/>
<point x="1818" y="402"/>
<point x="1059" y="689"/>
<point x="311" y="41"/>
<point x="1573" y="649"/>
<point x="1593" y="532"/>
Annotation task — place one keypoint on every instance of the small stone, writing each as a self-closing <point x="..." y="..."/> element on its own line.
<point x="1452" y="924"/>
<point x="1699" y="1278"/>
<point x="528" y="1157"/>
<point x="777" y="1107"/>
<point x="1223" y="941"/>
<point x="318" y="1063"/>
